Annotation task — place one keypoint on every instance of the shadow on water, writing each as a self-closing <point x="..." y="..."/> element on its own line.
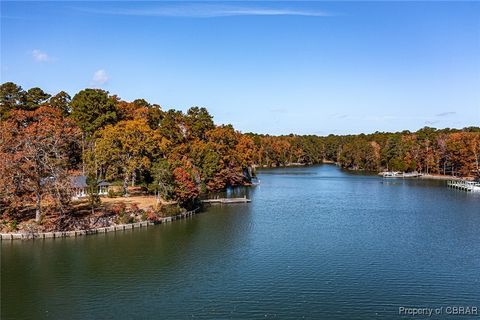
<point x="72" y="275"/>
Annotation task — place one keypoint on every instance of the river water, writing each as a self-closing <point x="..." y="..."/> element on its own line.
<point x="315" y="243"/>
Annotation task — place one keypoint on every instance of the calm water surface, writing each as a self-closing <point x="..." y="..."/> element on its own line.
<point x="315" y="243"/>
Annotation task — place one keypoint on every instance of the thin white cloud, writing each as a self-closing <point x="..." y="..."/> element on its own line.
<point x="202" y="10"/>
<point x="444" y="114"/>
<point x="40" y="56"/>
<point x="100" y="77"/>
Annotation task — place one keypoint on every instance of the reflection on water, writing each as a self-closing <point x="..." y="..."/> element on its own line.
<point x="315" y="242"/>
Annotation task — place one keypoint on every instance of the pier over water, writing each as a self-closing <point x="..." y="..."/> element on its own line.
<point x="227" y="200"/>
<point x="464" y="185"/>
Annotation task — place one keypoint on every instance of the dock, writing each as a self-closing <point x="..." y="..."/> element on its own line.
<point x="227" y="200"/>
<point x="464" y="185"/>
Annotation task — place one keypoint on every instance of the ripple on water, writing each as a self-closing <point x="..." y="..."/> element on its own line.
<point x="314" y="243"/>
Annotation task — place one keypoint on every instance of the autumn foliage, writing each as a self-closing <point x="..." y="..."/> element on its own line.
<point x="175" y="155"/>
<point x="430" y="151"/>
<point x="35" y="153"/>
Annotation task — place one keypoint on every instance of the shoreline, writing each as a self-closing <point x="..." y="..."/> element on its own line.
<point x="296" y="164"/>
<point x="145" y="224"/>
<point x="77" y="233"/>
<point x="440" y="177"/>
<point x="366" y="172"/>
<point x="432" y="177"/>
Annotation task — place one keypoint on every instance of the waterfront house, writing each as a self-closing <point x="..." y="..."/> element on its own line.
<point x="80" y="187"/>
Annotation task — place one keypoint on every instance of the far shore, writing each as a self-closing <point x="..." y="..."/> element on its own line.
<point x="441" y="177"/>
<point x="423" y="176"/>
<point x="438" y="177"/>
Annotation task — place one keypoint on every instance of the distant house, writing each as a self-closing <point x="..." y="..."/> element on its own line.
<point x="80" y="187"/>
<point x="103" y="187"/>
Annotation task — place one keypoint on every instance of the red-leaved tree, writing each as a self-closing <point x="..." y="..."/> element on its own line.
<point x="34" y="149"/>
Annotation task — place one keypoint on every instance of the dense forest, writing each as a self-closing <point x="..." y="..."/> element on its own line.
<point x="428" y="151"/>
<point x="46" y="139"/>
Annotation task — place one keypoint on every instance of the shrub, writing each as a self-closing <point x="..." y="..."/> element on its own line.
<point x="10" y="225"/>
<point x="123" y="218"/>
<point x="119" y="208"/>
<point x="168" y="211"/>
<point x="152" y="216"/>
<point x="134" y="208"/>
<point x="13" y="225"/>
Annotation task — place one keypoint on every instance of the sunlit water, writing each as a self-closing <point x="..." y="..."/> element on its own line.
<point x="315" y="243"/>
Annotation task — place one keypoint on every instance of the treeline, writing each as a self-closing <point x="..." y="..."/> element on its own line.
<point x="428" y="150"/>
<point x="45" y="139"/>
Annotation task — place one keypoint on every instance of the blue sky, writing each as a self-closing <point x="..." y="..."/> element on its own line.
<point x="265" y="67"/>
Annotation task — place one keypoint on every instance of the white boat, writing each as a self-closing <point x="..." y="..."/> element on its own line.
<point x="391" y="174"/>
<point x="397" y="174"/>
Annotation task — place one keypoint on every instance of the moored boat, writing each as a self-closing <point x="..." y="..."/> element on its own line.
<point x="397" y="174"/>
<point x="391" y="174"/>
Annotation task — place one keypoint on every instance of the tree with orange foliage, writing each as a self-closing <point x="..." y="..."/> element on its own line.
<point x="186" y="190"/>
<point x="34" y="163"/>
<point x="126" y="148"/>
<point x="224" y="140"/>
<point x="464" y="150"/>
